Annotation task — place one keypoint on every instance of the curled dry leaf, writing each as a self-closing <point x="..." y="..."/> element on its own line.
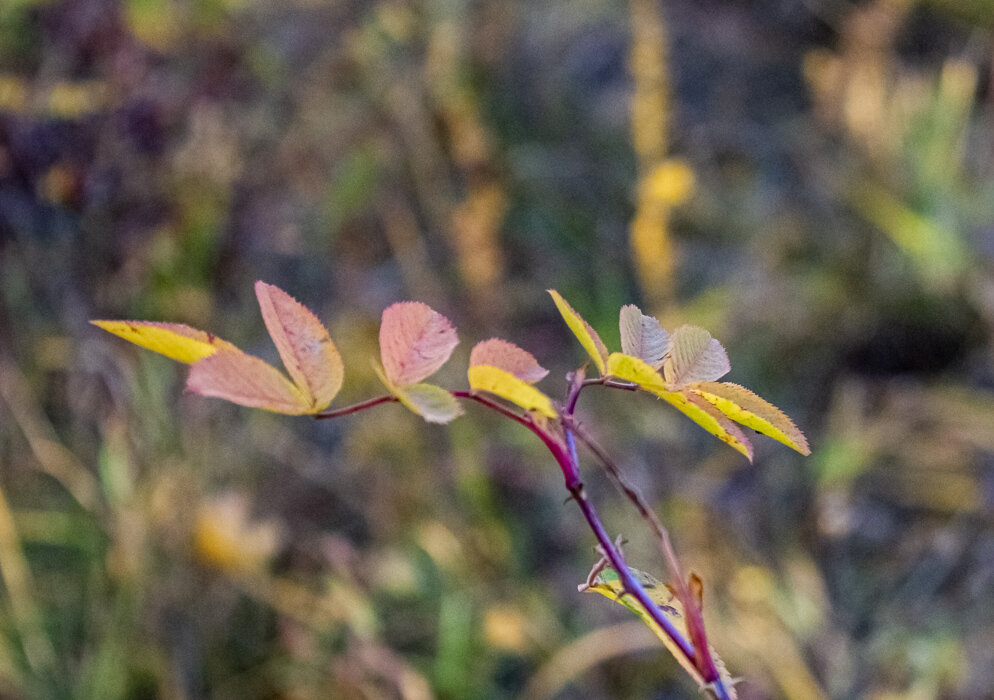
<point x="508" y="357"/>
<point x="304" y="345"/>
<point x="415" y="341"/>
<point x="176" y="341"/>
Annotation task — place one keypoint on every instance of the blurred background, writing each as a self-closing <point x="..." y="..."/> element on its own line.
<point x="811" y="181"/>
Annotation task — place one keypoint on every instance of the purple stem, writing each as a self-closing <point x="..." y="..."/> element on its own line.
<point x="567" y="459"/>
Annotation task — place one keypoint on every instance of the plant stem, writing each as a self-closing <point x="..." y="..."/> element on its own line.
<point x="563" y="449"/>
<point x="356" y="407"/>
<point x="697" y="650"/>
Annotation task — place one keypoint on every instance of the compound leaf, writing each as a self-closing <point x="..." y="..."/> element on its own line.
<point x="433" y="403"/>
<point x="304" y="345"/>
<point x="587" y="336"/>
<point x="176" y="341"/>
<point x="415" y="341"/>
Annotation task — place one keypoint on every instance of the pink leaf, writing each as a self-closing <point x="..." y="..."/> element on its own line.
<point x="304" y="345"/>
<point x="247" y="381"/>
<point x="694" y="357"/>
<point x="508" y="357"/>
<point x="415" y="340"/>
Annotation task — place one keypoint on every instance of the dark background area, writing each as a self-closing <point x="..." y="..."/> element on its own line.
<point x="812" y="182"/>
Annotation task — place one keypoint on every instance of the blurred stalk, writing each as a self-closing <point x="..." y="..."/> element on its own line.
<point x="475" y="221"/>
<point x="52" y="456"/>
<point x="662" y="182"/>
<point x="19" y="584"/>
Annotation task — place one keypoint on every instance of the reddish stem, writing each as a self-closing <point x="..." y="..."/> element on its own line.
<point x="356" y="407"/>
<point x="563" y="449"/>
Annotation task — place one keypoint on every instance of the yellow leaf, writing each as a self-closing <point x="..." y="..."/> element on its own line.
<point x="708" y="417"/>
<point x="507" y="386"/>
<point x="174" y="340"/>
<point x="587" y="336"/>
<point x="632" y="369"/>
<point x="745" y="407"/>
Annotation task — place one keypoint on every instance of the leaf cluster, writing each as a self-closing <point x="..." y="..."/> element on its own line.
<point x="681" y="367"/>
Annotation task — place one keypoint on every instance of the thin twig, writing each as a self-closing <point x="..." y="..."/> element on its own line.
<point x="356" y="407"/>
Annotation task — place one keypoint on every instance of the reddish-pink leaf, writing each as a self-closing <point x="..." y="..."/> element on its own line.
<point x="247" y="381"/>
<point x="304" y="345"/>
<point x="508" y="357"/>
<point x="415" y="340"/>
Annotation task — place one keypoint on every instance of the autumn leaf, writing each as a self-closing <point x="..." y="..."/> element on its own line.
<point x="304" y="345"/>
<point x="505" y="385"/>
<point x="433" y="403"/>
<point x="632" y="369"/>
<point x="642" y="336"/>
<point x="694" y="357"/>
<point x="415" y="341"/>
<point x="745" y="407"/>
<point x="176" y="341"/>
<point x="508" y="357"/>
<point x="248" y="381"/>
<point x="587" y="336"/>
<point x="709" y="418"/>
